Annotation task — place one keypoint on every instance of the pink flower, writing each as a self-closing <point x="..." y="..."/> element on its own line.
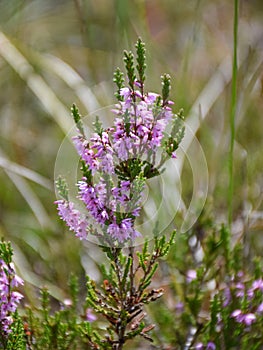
<point x="125" y="92"/>
<point x="9" y="298"/>
<point x="260" y="309"/>
<point x="90" y="317"/>
<point x="174" y="156"/>
<point x="73" y="218"/>
<point x="191" y="275"/>
<point x="248" y="319"/>
<point x="107" y="191"/>
<point x="237" y="315"/>
<point x="210" y="346"/>
<point x="151" y="97"/>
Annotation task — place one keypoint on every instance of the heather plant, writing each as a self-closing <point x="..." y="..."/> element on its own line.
<point x="118" y="160"/>
<point x="213" y="293"/>
<point x="116" y="163"/>
<point x="10" y="298"/>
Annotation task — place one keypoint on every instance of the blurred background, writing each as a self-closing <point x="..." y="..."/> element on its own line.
<point x="54" y="53"/>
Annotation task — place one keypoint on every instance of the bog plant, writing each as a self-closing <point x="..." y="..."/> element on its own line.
<point x="116" y="163"/>
<point x="9" y="300"/>
<point x="214" y="302"/>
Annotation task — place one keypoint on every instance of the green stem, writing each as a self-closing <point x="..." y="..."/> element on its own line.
<point x="233" y="115"/>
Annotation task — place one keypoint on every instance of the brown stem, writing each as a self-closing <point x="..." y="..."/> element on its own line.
<point x="131" y="273"/>
<point x="121" y="326"/>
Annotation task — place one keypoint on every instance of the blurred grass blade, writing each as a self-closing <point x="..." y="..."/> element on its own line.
<point x="36" y="83"/>
<point x="211" y="92"/>
<point x="209" y="95"/>
<point x="233" y="116"/>
<point x="206" y="99"/>
<point x="244" y="95"/>
<point x="25" y="270"/>
<point x="25" y="172"/>
<point x="72" y="79"/>
<point x="32" y="200"/>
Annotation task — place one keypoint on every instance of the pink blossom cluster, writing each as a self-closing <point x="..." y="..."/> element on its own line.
<point x="103" y="204"/>
<point x="113" y="198"/>
<point x="143" y="130"/>
<point x="242" y="291"/>
<point x="209" y="346"/>
<point x="98" y="153"/>
<point x="242" y="297"/>
<point x="74" y="219"/>
<point x="9" y="298"/>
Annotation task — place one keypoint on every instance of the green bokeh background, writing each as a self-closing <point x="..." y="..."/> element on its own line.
<point x="70" y="50"/>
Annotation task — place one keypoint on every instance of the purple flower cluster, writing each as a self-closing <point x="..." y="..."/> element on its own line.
<point x="142" y="131"/>
<point x="98" y="154"/>
<point x="209" y="346"/>
<point x="106" y="203"/>
<point x="111" y="189"/>
<point x="191" y="275"/>
<point x="252" y="295"/>
<point x="113" y="208"/>
<point x="9" y="299"/>
<point x="90" y="317"/>
<point x="245" y="318"/>
<point x="241" y="298"/>
<point x="73" y="218"/>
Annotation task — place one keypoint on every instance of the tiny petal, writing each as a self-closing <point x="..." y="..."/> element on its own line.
<point x="151" y="97"/>
<point x="191" y="275"/>
<point x="238" y="315"/>
<point x="67" y="302"/>
<point x="90" y="317"/>
<point x="179" y="307"/>
<point x="125" y="92"/>
<point x="17" y="281"/>
<point x="248" y="319"/>
<point x="210" y="346"/>
<point x="260" y="309"/>
<point x="174" y="155"/>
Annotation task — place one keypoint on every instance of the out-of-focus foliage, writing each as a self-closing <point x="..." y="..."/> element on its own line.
<point x="54" y="53"/>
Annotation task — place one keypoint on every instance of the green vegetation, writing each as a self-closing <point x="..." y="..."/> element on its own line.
<point x="56" y="53"/>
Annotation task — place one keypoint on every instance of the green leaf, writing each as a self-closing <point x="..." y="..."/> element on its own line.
<point x="147" y="281"/>
<point x="119" y="81"/>
<point x="97" y="125"/>
<point x="6" y="251"/>
<point x="129" y="65"/>
<point x="126" y="271"/>
<point x="62" y="187"/>
<point x="166" y="83"/>
<point x="77" y="118"/>
<point x="141" y="65"/>
<point x="87" y="173"/>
